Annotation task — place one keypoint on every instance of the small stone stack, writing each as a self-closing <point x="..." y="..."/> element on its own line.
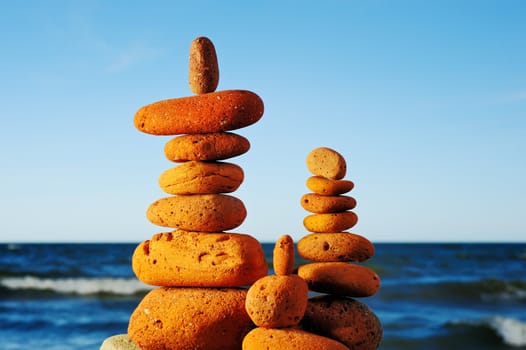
<point x="199" y="268"/>
<point x="334" y="253"/>
<point x="277" y="303"/>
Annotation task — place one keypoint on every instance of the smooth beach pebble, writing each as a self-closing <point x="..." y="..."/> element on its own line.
<point x="212" y="112"/>
<point x="194" y="259"/>
<point x="340" y="278"/>
<point x="191" y="318"/>
<point x="328" y="187"/>
<point x="283" y="256"/>
<point x="330" y="222"/>
<point x="288" y="339"/>
<point x="196" y="177"/>
<point x="203" y="69"/>
<point x="209" y="146"/>
<point x="277" y="301"/>
<point x="344" y="319"/>
<point x="317" y="203"/>
<point x="326" y="162"/>
<point x="198" y="212"/>
<point x="119" y="342"/>
<point x="342" y="246"/>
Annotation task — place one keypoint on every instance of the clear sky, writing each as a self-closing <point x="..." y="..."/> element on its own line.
<point x="426" y="100"/>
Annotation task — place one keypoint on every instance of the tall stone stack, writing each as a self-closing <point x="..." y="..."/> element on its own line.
<point x="334" y="255"/>
<point x="199" y="268"/>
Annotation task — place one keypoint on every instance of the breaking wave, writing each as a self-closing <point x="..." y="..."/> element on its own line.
<point x="79" y="286"/>
<point x="510" y="330"/>
<point x="486" y="290"/>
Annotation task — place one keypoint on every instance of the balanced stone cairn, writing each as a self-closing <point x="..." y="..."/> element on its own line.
<point x="331" y="250"/>
<point x="201" y="272"/>
<point x="277" y="303"/>
<point x="199" y="268"/>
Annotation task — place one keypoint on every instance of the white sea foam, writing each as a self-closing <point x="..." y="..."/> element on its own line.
<point x="511" y="292"/>
<point x="81" y="286"/>
<point x="512" y="331"/>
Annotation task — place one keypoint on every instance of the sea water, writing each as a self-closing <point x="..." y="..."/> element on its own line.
<point x="432" y="296"/>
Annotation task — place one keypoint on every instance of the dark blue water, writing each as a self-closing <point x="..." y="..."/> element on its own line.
<point x="432" y="296"/>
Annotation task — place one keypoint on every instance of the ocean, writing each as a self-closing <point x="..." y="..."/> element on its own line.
<point x="432" y="296"/>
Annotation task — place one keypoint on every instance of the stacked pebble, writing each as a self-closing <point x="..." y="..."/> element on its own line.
<point x="198" y="268"/>
<point x="336" y="315"/>
<point x="277" y="303"/>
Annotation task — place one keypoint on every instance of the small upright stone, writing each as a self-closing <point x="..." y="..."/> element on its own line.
<point x="283" y="259"/>
<point x="203" y="69"/>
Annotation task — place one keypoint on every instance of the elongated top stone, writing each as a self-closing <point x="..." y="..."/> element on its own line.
<point x="203" y="69"/>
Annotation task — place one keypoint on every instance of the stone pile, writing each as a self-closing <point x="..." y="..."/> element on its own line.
<point x="334" y="256"/>
<point x="212" y="290"/>
<point x="277" y="303"/>
<point x="198" y="268"/>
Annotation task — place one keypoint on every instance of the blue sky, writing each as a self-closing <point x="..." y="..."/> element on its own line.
<point x="426" y="100"/>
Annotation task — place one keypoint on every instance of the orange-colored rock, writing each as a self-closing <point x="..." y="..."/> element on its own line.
<point x="203" y="69"/>
<point x="340" y="278"/>
<point x="330" y="222"/>
<point x="209" y="146"/>
<point x="342" y="246"/>
<point x="317" y="203"/>
<point x="345" y="320"/>
<point x="198" y="212"/>
<point x="326" y="162"/>
<point x="288" y="339"/>
<point x="283" y="256"/>
<point x="277" y="301"/>
<point x="212" y="112"/>
<point x="194" y="259"/>
<point x="190" y="318"/>
<point x="328" y="187"/>
<point x="196" y="177"/>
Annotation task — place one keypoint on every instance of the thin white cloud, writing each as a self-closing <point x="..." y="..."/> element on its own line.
<point x="112" y="55"/>
<point x="517" y="96"/>
<point x="127" y="57"/>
